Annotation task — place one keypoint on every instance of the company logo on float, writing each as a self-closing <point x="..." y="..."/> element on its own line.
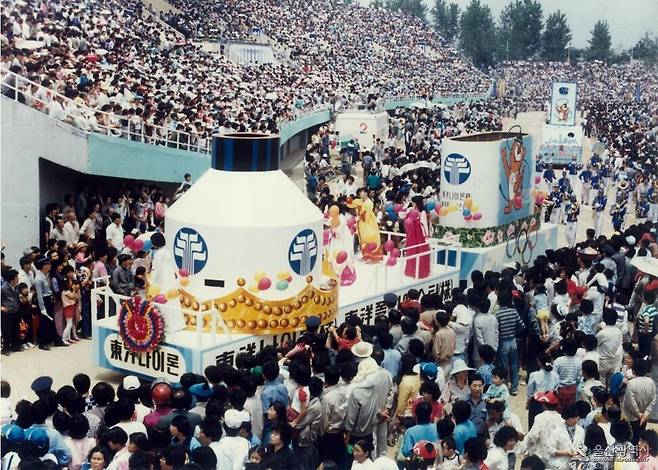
<point x="456" y="169"/>
<point x="190" y="250"/>
<point x="303" y="252"/>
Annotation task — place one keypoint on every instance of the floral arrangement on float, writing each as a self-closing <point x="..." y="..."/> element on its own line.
<point x="141" y="326"/>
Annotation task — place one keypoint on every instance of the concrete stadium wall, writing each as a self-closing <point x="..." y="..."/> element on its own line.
<point x="28" y="136"/>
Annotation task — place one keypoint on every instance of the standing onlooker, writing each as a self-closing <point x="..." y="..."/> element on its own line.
<point x="639" y="398"/>
<point x="9" y="314"/>
<point x="509" y="322"/>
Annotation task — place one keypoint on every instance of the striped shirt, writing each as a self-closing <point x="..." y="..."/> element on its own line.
<point x="508" y="321"/>
<point x="568" y="368"/>
<point x="646" y="317"/>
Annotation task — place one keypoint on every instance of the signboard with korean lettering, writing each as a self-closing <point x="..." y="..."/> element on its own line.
<point x="366" y="309"/>
<point x="166" y="361"/>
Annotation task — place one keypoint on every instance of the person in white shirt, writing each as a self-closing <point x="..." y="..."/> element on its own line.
<point x="565" y="440"/>
<point x="117" y="441"/>
<point x="58" y="230"/>
<point x="71" y="229"/>
<point x="503" y="444"/>
<point x="114" y="232"/>
<point x="232" y="450"/>
<point x="88" y="228"/>
<point x="126" y="413"/>
<point x="609" y="348"/>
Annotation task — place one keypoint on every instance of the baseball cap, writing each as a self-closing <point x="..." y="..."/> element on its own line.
<point x="39" y="437"/>
<point x="234" y="418"/>
<point x="426" y="369"/>
<point x="13" y="433"/>
<point x="131" y="383"/>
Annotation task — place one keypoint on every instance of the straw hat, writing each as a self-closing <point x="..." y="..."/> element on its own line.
<point x="646" y="265"/>
<point x="459" y="366"/>
<point x="362" y="349"/>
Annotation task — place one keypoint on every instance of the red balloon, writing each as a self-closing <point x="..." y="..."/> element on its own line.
<point x="128" y="241"/>
<point x="391" y="261"/>
<point x="264" y="284"/>
<point x="537" y="179"/>
<point x="389" y="245"/>
<point x="518" y="202"/>
<point x="370" y="246"/>
<point x="341" y="257"/>
<point x="138" y="245"/>
<point x="183" y="272"/>
<point x="395" y="253"/>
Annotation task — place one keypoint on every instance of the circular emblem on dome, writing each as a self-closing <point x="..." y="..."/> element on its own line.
<point x="303" y="252"/>
<point x="190" y="250"/>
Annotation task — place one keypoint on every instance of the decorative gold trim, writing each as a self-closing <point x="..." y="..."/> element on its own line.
<point x="244" y="312"/>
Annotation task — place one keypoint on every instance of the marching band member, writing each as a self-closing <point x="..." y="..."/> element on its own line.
<point x="556" y="199"/>
<point x="618" y="212"/>
<point x="572" y="210"/>
<point x="563" y="182"/>
<point x="642" y="209"/>
<point x="586" y="178"/>
<point x="623" y="196"/>
<point x="600" y="201"/>
<point x="572" y="170"/>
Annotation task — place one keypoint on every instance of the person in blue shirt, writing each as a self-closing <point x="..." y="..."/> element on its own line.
<point x="549" y="175"/>
<point x="464" y="428"/>
<point x="424" y="430"/>
<point x="596" y="179"/>
<point x="392" y="356"/>
<point x="272" y="390"/>
<point x="618" y="213"/>
<point x="600" y="201"/>
<point x="56" y="445"/>
<point x="563" y="183"/>
<point x="586" y="179"/>
<point x="572" y="167"/>
<point x="642" y="209"/>
<point x="556" y="198"/>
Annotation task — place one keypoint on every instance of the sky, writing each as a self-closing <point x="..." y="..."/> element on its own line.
<point x="628" y="19"/>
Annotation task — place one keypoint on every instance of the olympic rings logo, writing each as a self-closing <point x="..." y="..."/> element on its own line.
<point x="522" y="242"/>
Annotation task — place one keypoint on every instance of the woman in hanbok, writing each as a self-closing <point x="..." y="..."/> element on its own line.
<point x="367" y="227"/>
<point x="416" y="243"/>
<point x="341" y="240"/>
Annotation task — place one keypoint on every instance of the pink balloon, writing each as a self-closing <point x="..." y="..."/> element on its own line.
<point x="326" y="237"/>
<point x="391" y="261"/>
<point x="468" y="217"/>
<point x="398" y="208"/>
<point x="537" y="179"/>
<point x="395" y="253"/>
<point x="264" y="284"/>
<point x="389" y="245"/>
<point x="518" y="202"/>
<point x="351" y="222"/>
<point x="437" y="209"/>
<point x="539" y="199"/>
<point x="341" y="257"/>
<point x="370" y="246"/>
<point x="183" y="272"/>
<point x="138" y="245"/>
<point x="477" y="216"/>
<point x="160" y="299"/>
<point x="128" y="241"/>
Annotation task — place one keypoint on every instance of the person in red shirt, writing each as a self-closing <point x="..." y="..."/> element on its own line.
<point x="430" y="392"/>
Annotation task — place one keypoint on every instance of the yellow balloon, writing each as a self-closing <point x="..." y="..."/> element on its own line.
<point x="185" y="281"/>
<point x="259" y="275"/>
<point x="443" y="211"/>
<point x="334" y="211"/>
<point x="283" y="275"/>
<point x="474" y="208"/>
<point x="154" y="290"/>
<point x="335" y="222"/>
<point x="172" y="294"/>
<point x="468" y="202"/>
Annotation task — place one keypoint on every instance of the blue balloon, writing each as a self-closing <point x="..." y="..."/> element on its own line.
<point x="429" y="207"/>
<point x="393" y="216"/>
<point x="148" y="244"/>
<point x="466" y="212"/>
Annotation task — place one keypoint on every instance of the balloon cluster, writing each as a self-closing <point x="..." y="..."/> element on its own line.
<point x="538" y="195"/>
<point x="445" y="210"/>
<point x="184" y="277"/>
<point x="263" y="282"/>
<point x="471" y="210"/>
<point x="393" y="210"/>
<point x="393" y="252"/>
<point x="134" y="244"/>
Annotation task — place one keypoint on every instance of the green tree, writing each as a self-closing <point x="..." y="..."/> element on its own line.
<point x="445" y="18"/>
<point x="519" y="31"/>
<point x="556" y="36"/>
<point x="646" y="49"/>
<point x="478" y="33"/>
<point x="600" y="42"/>
<point x="411" y="7"/>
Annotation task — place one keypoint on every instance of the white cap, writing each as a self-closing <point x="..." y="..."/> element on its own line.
<point x="131" y="383"/>
<point x="234" y="418"/>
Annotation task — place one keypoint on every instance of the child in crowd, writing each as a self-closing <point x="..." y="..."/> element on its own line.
<point x="488" y="355"/>
<point x="498" y="390"/>
<point x="451" y="459"/>
<point x="70" y="298"/>
<point x="543" y="313"/>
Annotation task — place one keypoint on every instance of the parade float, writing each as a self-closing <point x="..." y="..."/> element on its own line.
<point x="562" y="137"/>
<point x="244" y="260"/>
<point x="489" y="203"/>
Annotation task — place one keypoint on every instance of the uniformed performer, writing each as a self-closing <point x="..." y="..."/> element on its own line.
<point x="623" y="196"/>
<point x="586" y="185"/>
<point x="572" y="210"/>
<point x="572" y="170"/>
<point x="564" y="182"/>
<point x="556" y="199"/>
<point x="642" y="209"/>
<point x="618" y="213"/>
<point x="598" y="208"/>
